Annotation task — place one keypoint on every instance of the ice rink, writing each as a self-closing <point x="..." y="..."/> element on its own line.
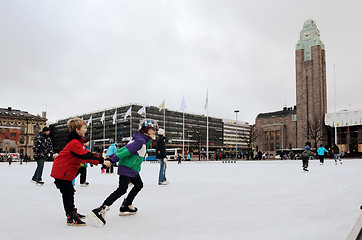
<point x="248" y="200"/>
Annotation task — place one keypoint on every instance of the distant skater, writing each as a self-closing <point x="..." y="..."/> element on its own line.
<point x="161" y="156"/>
<point x="337" y="156"/>
<point x="321" y="151"/>
<point x="306" y="154"/>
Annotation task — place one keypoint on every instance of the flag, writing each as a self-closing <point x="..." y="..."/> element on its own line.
<point x="128" y="113"/>
<point x="102" y="118"/>
<point x="183" y="104"/>
<point x="142" y="110"/>
<point x="162" y="106"/>
<point x="207" y="99"/>
<point x="115" y="117"/>
<point x="89" y="121"/>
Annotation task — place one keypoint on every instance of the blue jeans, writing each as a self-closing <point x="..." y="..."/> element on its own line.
<point x="39" y="170"/>
<point x="162" y="174"/>
<point x="337" y="156"/>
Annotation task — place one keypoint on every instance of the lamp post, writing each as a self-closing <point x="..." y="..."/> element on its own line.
<point x="236" y="133"/>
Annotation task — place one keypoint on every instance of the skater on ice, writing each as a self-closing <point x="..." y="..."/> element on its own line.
<point x="321" y="151"/>
<point x="161" y="156"/>
<point x="67" y="164"/>
<point x="306" y="154"/>
<point x="129" y="159"/>
<point x="43" y="150"/>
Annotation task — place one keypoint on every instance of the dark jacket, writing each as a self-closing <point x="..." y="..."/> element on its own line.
<point x="67" y="163"/>
<point x="307" y="154"/>
<point x="43" y="147"/>
<point x="160" y="148"/>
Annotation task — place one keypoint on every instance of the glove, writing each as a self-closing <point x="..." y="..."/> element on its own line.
<point x="165" y="160"/>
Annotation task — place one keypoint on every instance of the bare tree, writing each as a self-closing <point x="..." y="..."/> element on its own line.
<point x="315" y="130"/>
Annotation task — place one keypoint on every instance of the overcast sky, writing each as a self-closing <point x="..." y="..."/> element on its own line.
<point x="74" y="57"/>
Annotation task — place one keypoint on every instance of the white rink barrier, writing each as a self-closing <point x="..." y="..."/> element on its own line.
<point x="356" y="231"/>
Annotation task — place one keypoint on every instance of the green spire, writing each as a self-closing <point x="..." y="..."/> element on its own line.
<point x="309" y="37"/>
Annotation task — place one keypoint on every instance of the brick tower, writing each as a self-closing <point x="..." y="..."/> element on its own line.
<point x="311" y="90"/>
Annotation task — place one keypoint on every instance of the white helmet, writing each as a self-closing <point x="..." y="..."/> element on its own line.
<point x="161" y="131"/>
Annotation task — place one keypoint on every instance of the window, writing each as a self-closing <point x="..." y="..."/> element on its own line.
<point x="22" y="140"/>
<point x="36" y="129"/>
<point x="272" y="147"/>
<point x="272" y="136"/>
<point x="266" y="135"/>
<point x="266" y="147"/>
<point x="277" y="135"/>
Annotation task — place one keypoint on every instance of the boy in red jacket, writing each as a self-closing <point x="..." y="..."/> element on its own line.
<point x="66" y="166"/>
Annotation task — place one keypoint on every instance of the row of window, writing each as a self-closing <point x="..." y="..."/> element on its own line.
<point x="272" y="135"/>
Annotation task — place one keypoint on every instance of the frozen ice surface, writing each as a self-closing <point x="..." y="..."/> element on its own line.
<point x="248" y="200"/>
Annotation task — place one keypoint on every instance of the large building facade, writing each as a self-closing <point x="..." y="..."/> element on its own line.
<point x="311" y="93"/>
<point x="119" y="127"/>
<point x="292" y="127"/>
<point x="18" y="130"/>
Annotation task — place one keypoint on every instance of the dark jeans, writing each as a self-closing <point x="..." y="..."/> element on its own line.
<point x="122" y="189"/>
<point x="83" y="174"/>
<point x="39" y="170"/>
<point x="321" y="158"/>
<point x="305" y="161"/>
<point x="67" y="190"/>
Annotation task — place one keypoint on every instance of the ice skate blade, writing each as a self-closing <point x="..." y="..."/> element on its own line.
<point x="95" y="220"/>
<point x="127" y="213"/>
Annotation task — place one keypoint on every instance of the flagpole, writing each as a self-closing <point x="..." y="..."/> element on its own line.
<point x="104" y="131"/>
<point x="164" y="119"/>
<point x="115" y="128"/>
<point x="207" y="125"/>
<point x="90" y="141"/>
<point x="130" y="126"/>
<point x="183" y="134"/>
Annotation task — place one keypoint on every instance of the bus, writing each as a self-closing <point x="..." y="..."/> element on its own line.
<point x="171" y="154"/>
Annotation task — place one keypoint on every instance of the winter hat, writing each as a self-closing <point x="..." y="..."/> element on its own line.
<point x="161" y="131"/>
<point x="307" y="148"/>
<point x="45" y="129"/>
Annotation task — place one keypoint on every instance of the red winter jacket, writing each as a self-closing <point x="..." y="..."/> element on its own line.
<point x="67" y="163"/>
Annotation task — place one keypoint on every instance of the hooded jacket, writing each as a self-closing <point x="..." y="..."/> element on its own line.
<point x="131" y="156"/>
<point x="160" y="148"/>
<point x="67" y="163"/>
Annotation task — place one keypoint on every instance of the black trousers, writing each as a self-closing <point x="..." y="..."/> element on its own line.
<point x="305" y="161"/>
<point x="122" y="189"/>
<point x="321" y="158"/>
<point x="67" y="190"/>
<point x="83" y="174"/>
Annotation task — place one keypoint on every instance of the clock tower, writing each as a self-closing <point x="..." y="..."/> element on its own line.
<point x="311" y="90"/>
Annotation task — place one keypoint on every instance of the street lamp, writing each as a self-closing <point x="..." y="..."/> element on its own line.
<point x="236" y="133"/>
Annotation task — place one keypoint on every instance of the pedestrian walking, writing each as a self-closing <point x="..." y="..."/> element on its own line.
<point x="161" y="156"/>
<point x="321" y="151"/>
<point x="129" y="159"/>
<point x="43" y="150"/>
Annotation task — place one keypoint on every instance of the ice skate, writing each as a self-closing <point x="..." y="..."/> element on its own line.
<point x="98" y="215"/>
<point x="127" y="209"/>
<point x="164" y="183"/>
<point x="80" y="216"/>
<point x="84" y="184"/>
<point x="73" y="220"/>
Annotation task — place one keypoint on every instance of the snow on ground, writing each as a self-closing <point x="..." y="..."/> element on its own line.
<point x="248" y="200"/>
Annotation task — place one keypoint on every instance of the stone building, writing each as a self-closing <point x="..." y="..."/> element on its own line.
<point x="292" y="127"/>
<point x="12" y="122"/>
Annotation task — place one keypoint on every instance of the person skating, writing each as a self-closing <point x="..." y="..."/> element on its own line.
<point x="336" y="154"/>
<point x="43" y="150"/>
<point x="129" y="159"/>
<point x="306" y="154"/>
<point x="321" y="151"/>
<point x="161" y="157"/>
<point x="66" y="165"/>
<point x="111" y="150"/>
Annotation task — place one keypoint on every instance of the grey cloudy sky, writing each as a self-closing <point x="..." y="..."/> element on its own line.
<point x="72" y="57"/>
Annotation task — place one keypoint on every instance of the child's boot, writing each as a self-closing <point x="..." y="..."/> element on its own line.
<point x="127" y="209"/>
<point x="98" y="215"/>
<point x="80" y="216"/>
<point x="73" y="219"/>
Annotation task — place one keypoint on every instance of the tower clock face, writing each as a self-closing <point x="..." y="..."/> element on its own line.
<point x="307" y="35"/>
